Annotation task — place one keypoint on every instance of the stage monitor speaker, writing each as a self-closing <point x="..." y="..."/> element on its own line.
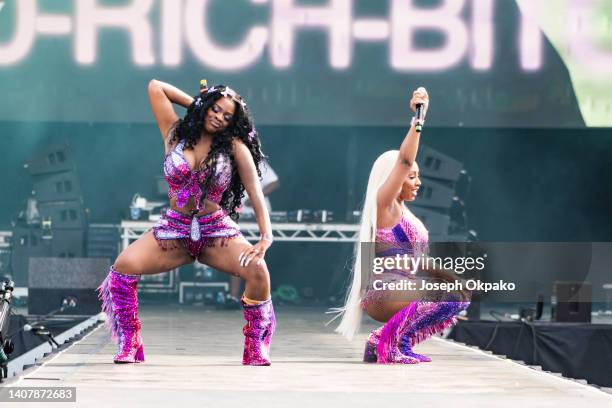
<point x="571" y="301"/>
<point x="53" y="159"/>
<point x="57" y="187"/>
<point x="438" y="165"/>
<point x="50" y="280"/>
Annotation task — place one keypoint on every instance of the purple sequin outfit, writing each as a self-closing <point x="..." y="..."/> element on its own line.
<point x="119" y="294"/>
<point x="183" y="182"/>
<point x="408" y="236"/>
<point x="194" y="232"/>
<point x="418" y="320"/>
<point x="174" y="226"/>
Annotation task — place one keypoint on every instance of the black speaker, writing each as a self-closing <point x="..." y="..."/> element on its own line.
<point x="64" y="214"/>
<point x="62" y="186"/>
<point x="438" y="165"/>
<point x="473" y="310"/>
<point x="103" y="241"/>
<point x="437" y="223"/>
<point x="53" y="159"/>
<point x="434" y="194"/>
<point x="27" y="241"/>
<point x="33" y="241"/>
<point x="50" y="280"/>
<point x="571" y="301"/>
<point x="68" y="243"/>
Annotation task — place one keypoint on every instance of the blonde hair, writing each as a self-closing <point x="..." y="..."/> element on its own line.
<point x="351" y="312"/>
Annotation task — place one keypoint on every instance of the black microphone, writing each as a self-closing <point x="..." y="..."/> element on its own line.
<point x="419" y="117"/>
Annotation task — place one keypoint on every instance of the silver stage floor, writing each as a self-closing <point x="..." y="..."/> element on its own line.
<point x="193" y="358"/>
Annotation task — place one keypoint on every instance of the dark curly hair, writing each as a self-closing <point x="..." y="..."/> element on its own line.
<point x="240" y="127"/>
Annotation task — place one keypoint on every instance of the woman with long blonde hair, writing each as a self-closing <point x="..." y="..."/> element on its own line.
<point x="389" y="229"/>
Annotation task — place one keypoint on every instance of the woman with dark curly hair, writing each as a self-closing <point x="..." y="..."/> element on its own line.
<point x="212" y="157"/>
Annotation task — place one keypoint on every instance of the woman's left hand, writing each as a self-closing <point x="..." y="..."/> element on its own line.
<point x="420" y="96"/>
<point x="255" y="253"/>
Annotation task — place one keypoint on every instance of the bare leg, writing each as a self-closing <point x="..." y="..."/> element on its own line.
<point x="382" y="311"/>
<point x="257" y="303"/>
<point x="235" y="286"/>
<point x="225" y="259"/>
<point x="408" y="323"/>
<point x="119" y="291"/>
<point x="145" y="257"/>
<point x="392" y="301"/>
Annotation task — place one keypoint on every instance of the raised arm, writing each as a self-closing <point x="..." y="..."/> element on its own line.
<point x="161" y="96"/>
<point x="390" y="189"/>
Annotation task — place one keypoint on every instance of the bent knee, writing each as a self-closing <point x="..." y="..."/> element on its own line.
<point x="257" y="272"/>
<point x="127" y="264"/>
<point x="380" y="311"/>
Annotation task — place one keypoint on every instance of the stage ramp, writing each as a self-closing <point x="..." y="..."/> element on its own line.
<point x="193" y="358"/>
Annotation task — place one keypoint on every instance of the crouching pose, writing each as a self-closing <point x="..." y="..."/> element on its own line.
<point x="389" y="228"/>
<point x="211" y="156"/>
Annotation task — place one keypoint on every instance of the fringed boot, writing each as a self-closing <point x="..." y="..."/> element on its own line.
<point x="258" y="331"/>
<point x="411" y="325"/>
<point x="387" y="349"/>
<point x="119" y="296"/>
<point x="428" y="319"/>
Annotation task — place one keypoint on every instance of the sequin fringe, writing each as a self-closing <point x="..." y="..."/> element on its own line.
<point x="105" y="296"/>
<point x="426" y="332"/>
<point x="390" y="331"/>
